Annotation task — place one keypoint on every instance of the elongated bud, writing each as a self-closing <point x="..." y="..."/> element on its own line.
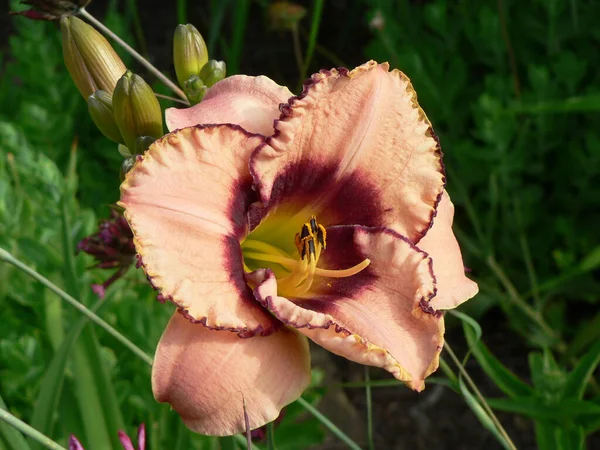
<point x="100" y="108"/>
<point x="90" y="59"/>
<point x="136" y="109"/>
<point x="212" y="72"/>
<point x="189" y="52"/>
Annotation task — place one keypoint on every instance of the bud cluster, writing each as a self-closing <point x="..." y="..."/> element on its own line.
<point x="122" y="105"/>
<point x="195" y="72"/>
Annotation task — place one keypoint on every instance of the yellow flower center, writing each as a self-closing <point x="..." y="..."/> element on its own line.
<point x="295" y="275"/>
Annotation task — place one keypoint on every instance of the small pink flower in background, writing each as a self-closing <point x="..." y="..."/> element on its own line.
<point x="74" y="444"/>
<point x="112" y="247"/>
<point x="335" y="227"/>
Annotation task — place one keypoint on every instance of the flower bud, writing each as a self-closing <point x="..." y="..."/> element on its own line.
<point x="285" y="15"/>
<point x="194" y="89"/>
<point x="90" y="59"/>
<point x="189" y="52"/>
<point x="212" y="72"/>
<point x="100" y="108"/>
<point x="136" y="109"/>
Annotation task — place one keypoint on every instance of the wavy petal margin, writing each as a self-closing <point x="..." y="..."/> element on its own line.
<point x="453" y="287"/>
<point x="365" y="127"/>
<point x="186" y="201"/>
<point x="379" y="317"/>
<point x="250" y="102"/>
<point x="208" y="375"/>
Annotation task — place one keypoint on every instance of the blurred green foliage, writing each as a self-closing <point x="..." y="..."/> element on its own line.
<point x="513" y="91"/>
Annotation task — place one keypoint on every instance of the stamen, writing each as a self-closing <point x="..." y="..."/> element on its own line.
<point x="263" y="246"/>
<point x="310" y="243"/>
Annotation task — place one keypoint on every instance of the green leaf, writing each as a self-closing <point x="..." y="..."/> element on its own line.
<point x="481" y="414"/>
<point x="544" y="435"/>
<point x="579" y="378"/>
<point x="50" y="392"/>
<point x="13" y="438"/>
<point x="535" y="408"/>
<point x="507" y="381"/>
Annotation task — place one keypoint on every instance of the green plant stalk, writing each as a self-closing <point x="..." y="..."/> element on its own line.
<point x="29" y="431"/>
<point x="312" y="37"/>
<point x="7" y="257"/>
<point x="480" y="397"/>
<point x="369" y="408"/>
<point x="329" y="424"/>
<point x="270" y="436"/>
<point x="157" y="73"/>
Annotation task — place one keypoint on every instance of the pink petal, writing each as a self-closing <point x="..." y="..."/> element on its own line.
<point x="379" y="317"/>
<point x="186" y="202"/>
<point x="125" y="441"/>
<point x="251" y="102"/>
<point x="207" y="375"/>
<point x="453" y="286"/>
<point x="142" y="437"/>
<point x="359" y="148"/>
<point x="74" y="443"/>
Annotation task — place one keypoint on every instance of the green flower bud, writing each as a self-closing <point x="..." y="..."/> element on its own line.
<point x="136" y="109"/>
<point x="100" y="108"/>
<point x="189" y="52"/>
<point x="90" y="59"/>
<point x="194" y="89"/>
<point x="213" y="71"/>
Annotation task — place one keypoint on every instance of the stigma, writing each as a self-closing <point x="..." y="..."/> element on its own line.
<point x="297" y="275"/>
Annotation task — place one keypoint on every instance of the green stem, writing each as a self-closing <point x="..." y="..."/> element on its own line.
<point x="369" y="408"/>
<point x="479" y="396"/>
<point x="157" y="73"/>
<point x="29" y="431"/>
<point x="312" y="37"/>
<point x="270" y="436"/>
<point x="329" y="424"/>
<point x="7" y="257"/>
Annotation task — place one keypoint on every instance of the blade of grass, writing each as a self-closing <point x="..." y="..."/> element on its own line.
<point x="317" y="12"/>
<point x="7" y="257"/>
<point x="240" y="20"/>
<point x="10" y="434"/>
<point x="29" y="431"/>
<point x="478" y="395"/>
<point x="227" y="443"/>
<point x="579" y="378"/>
<point x="96" y="394"/>
<point x="369" y="408"/>
<point x="50" y="392"/>
<point x="506" y="380"/>
<point x="480" y="413"/>
<point x="217" y="15"/>
<point x="329" y="424"/>
<point x="270" y="436"/>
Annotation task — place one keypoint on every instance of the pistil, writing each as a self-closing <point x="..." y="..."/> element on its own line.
<point x="310" y="243"/>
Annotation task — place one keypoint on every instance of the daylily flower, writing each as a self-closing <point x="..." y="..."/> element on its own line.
<point x="74" y="443"/>
<point x="336" y="227"/>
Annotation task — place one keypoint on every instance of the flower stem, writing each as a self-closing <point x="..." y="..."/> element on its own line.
<point x="480" y="397"/>
<point x="7" y="257"/>
<point x="29" y="431"/>
<point x="157" y="73"/>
